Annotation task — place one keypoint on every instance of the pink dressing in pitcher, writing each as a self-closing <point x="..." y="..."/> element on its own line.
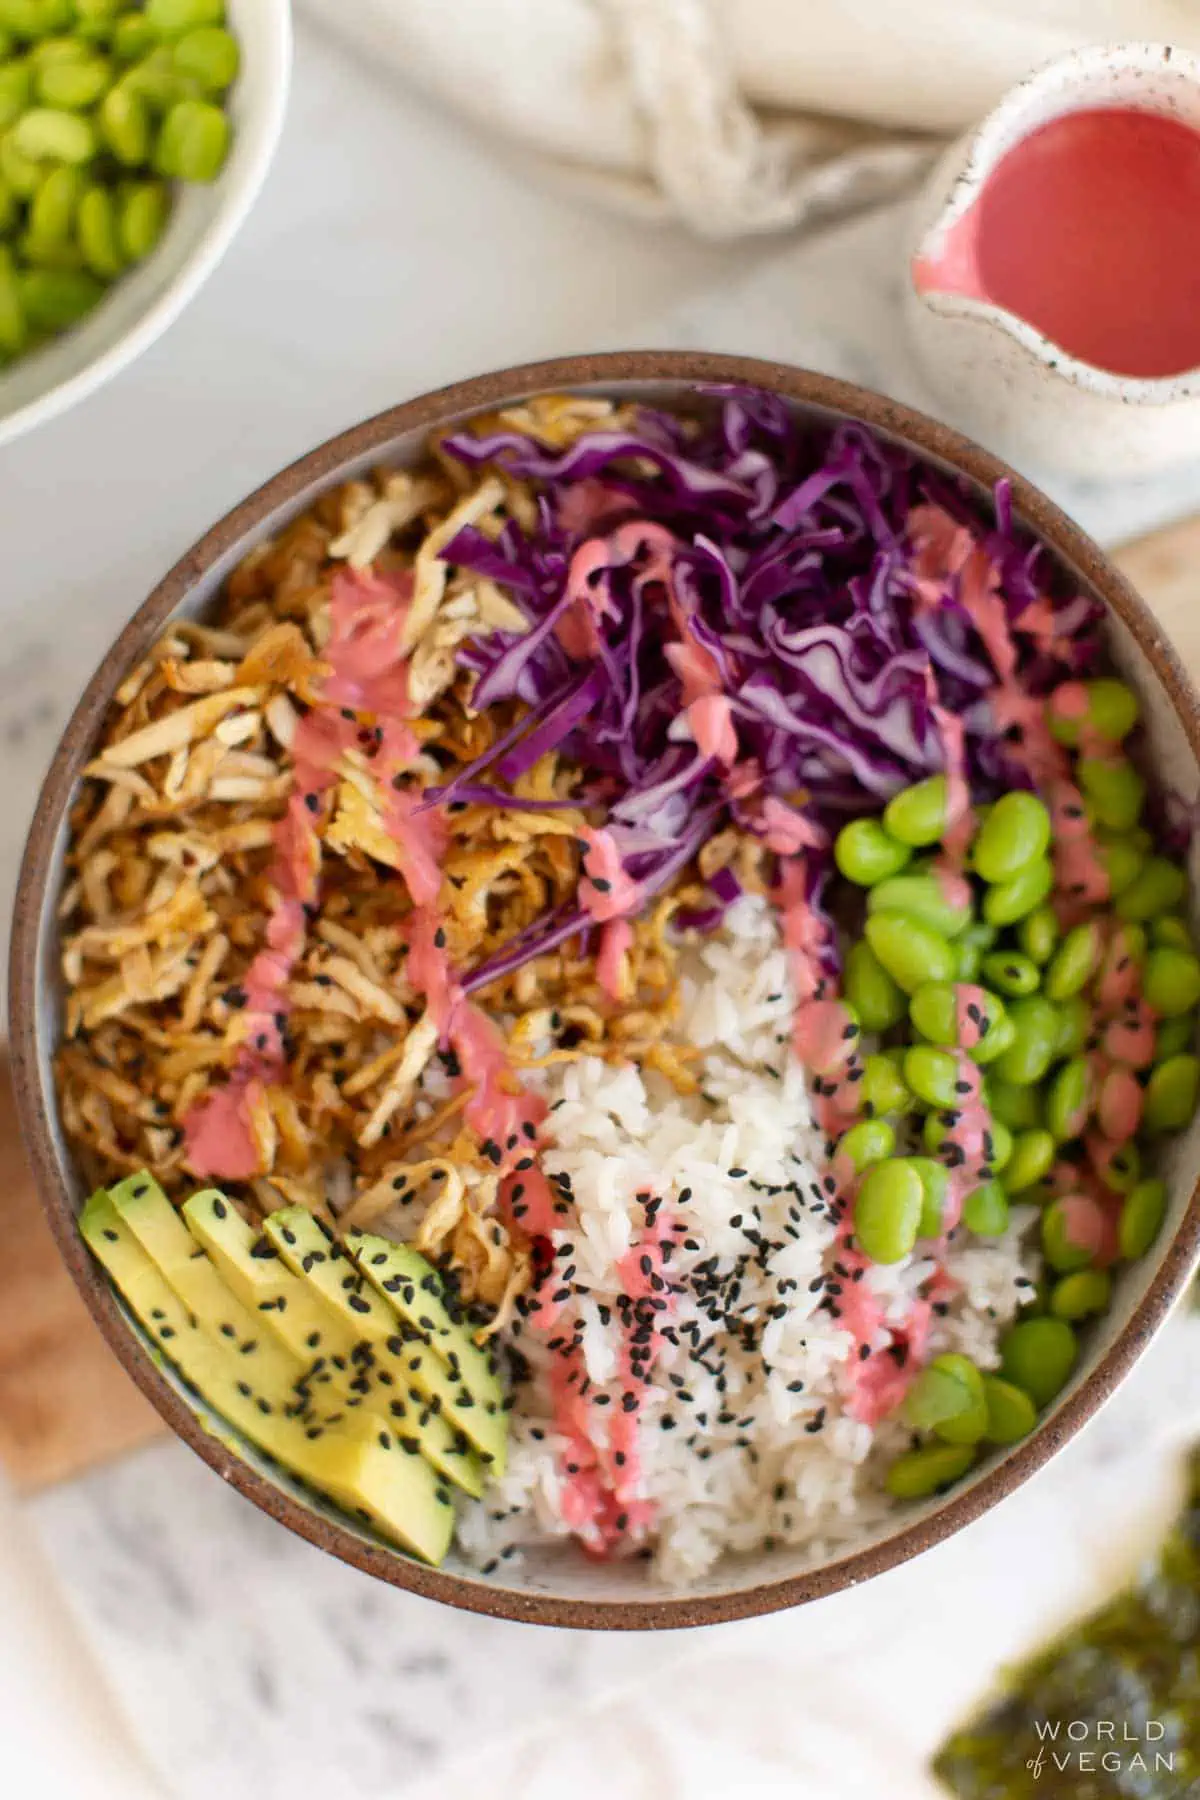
<point x="1086" y="230"/>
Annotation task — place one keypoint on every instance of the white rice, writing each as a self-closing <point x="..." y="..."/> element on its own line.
<point x="759" y="1447"/>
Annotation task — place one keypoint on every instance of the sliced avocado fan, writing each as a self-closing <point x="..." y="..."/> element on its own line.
<point x="288" y="1308"/>
<point x="359" y="1464"/>
<point x="409" y="1352"/>
<point x="414" y="1289"/>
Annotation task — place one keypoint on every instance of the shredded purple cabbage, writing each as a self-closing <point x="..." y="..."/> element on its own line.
<point x="793" y="577"/>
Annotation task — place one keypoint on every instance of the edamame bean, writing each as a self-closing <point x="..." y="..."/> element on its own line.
<point x="52" y="211"/>
<point x="1015" y="833"/>
<point x="35" y="18"/>
<point x="887" y="1211"/>
<point x="141" y="217"/>
<point x="969" y="949"/>
<point x="1074" y="962"/>
<point x="1159" y="888"/>
<point x="16" y="92"/>
<point x="1104" y="708"/>
<point x="933" y="1076"/>
<point x="193" y="142"/>
<point x="1070" y="1099"/>
<point x="1011" y="1414"/>
<point x="917" y="815"/>
<point x="937" y="1132"/>
<point x="156" y="81"/>
<point x="208" y="56"/>
<point x="1037" y="935"/>
<point x="1038" y="1355"/>
<point x="1171" y="983"/>
<point x="947" y="1397"/>
<point x="1018" y="1107"/>
<point x="45" y="134"/>
<point x="1121" y="860"/>
<point x="871" y="991"/>
<point x="935" y="1183"/>
<point x="1114" y="790"/>
<point x="1078" y="1296"/>
<point x="1171" y="1094"/>
<point x="172" y="18"/>
<point x="924" y="897"/>
<point x="1063" y="1250"/>
<point x="1141" y="1218"/>
<point x="21" y="174"/>
<point x="870" y="1141"/>
<point x="919" y="1473"/>
<point x="1174" y="1036"/>
<point x="56" y="298"/>
<point x="1035" y="1023"/>
<point x="133" y="37"/>
<point x="1074" y="1027"/>
<point x="1009" y="901"/>
<point x="1012" y="973"/>
<point x="1173" y="930"/>
<point x="910" y="952"/>
<point x="125" y="125"/>
<point x="1031" y="1160"/>
<point x="14" y="327"/>
<point x="954" y="1014"/>
<point x="95" y="20"/>
<point x="884" y="1089"/>
<point x="1119" y="1167"/>
<point x="865" y="853"/>
<point x="74" y="83"/>
<point x="1002" y="1149"/>
<point x="96" y="228"/>
<point x="1000" y="1037"/>
<point x="985" y="1210"/>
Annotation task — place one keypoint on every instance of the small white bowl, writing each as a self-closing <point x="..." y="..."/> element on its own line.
<point x="140" y="306"/>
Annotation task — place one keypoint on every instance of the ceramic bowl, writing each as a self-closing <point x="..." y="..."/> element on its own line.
<point x="203" y="223"/>
<point x="563" y="1587"/>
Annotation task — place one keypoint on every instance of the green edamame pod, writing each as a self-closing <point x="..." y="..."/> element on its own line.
<point x="1032" y="1157"/>
<point x="935" y="1183"/>
<point x="1174" y="1036"/>
<point x="1035" y="1023"/>
<point x="14" y="326"/>
<point x="1074" y="1027"/>
<point x="193" y="142"/>
<point x="1171" y="1094"/>
<point x="985" y="1211"/>
<point x="865" y="853"/>
<point x="1015" y="833"/>
<point x="1114" y="790"/>
<point x="871" y="991"/>
<point x="1063" y="1250"/>
<point x="1080" y="1295"/>
<point x="1038" y="1355"/>
<point x="1009" y="901"/>
<point x="1037" y="935"/>
<point x="884" y="1089"/>
<point x="1018" y="1107"/>
<point x="1011" y="973"/>
<point x="1103" y="708"/>
<point x="917" y="815"/>
<point x="1074" y="962"/>
<point x="1171" y="982"/>
<point x="924" y="897"/>
<point x="1011" y="1413"/>
<point x="910" y="952"/>
<point x="1141" y="1219"/>
<point x="887" y="1211"/>
<point x="208" y="56"/>
<point x="870" y="1141"/>
<point x="1159" y="888"/>
<point x="1071" y="1099"/>
<point x="920" y="1473"/>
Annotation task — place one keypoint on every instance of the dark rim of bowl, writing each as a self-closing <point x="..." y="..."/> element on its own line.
<point x="917" y="432"/>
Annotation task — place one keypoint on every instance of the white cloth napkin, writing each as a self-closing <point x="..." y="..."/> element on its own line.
<point x="734" y="116"/>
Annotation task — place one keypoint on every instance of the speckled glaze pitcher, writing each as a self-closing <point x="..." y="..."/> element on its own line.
<point x="997" y="375"/>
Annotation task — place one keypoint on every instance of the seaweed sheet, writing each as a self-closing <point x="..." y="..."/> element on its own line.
<point x="1111" y="1710"/>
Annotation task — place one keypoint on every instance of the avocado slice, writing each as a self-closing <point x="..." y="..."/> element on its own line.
<point x="361" y="1465"/>
<point x="413" y="1288"/>
<point x="288" y="1307"/>
<point x="166" y="1240"/>
<point x="405" y="1351"/>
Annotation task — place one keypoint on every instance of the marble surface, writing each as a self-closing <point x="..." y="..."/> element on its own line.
<point x="389" y="253"/>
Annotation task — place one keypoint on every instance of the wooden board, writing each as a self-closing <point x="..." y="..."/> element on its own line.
<point x="65" y="1402"/>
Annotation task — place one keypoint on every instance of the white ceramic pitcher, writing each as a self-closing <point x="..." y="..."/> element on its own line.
<point x="998" y="376"/>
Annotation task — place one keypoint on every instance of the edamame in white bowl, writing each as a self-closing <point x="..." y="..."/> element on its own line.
<point x="140" y="306"/>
